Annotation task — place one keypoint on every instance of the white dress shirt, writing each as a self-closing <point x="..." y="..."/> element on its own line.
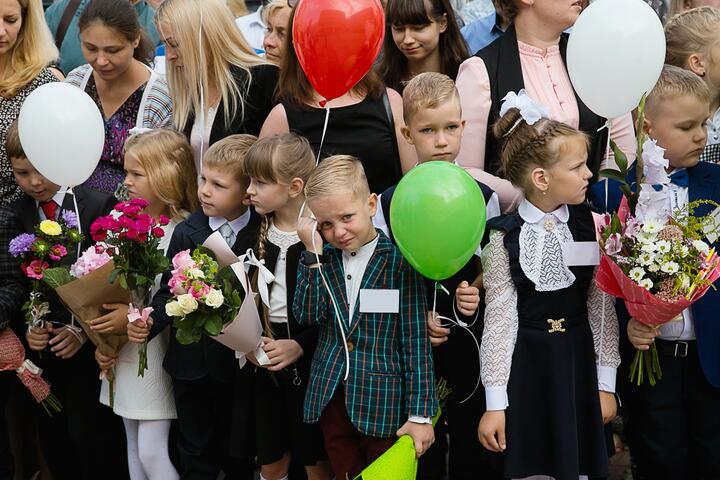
<point x="354" y="265"/>
<point x="58" y="198"/>
<point x="253" y="29"/>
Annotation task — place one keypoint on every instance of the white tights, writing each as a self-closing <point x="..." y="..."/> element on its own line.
<point x="147" y="448"/>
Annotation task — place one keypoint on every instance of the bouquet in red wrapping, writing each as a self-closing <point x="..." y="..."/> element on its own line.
<point x="655" y="259"/>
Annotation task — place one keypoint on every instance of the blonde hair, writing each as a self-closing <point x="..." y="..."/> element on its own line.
<point x="272" y="8"/>
<point x="691" y="32"/>
<point x="229" y="155"/>
<point x="675" y="81"/>
<point x="169" y="164"/>
<point x="337" y="174"/>
<point x="237" y="7"/>
<point x="223" y="47"/>
<point x="33" y="51"/>
<point x="525" y="146"/>
<point x="428" y="90"/>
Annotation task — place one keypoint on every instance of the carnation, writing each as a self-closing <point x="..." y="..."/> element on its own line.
<point x="91" y="259"/>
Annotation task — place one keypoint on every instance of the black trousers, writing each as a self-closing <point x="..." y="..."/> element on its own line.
<point x="673" y="428"/>
<point x="205" y="417"/>
<point x="6" y="460"/>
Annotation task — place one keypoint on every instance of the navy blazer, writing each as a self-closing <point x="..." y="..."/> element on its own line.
<point x="206" y="357"/>
<point x="704" y="184"/>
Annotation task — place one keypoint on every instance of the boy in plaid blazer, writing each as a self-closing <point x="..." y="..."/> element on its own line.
<point x="371" y="377"/>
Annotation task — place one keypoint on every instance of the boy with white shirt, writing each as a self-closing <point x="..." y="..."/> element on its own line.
<point x="205" y="374"/>
<point x="388" y="386"/>
<point x="673" y="428"/>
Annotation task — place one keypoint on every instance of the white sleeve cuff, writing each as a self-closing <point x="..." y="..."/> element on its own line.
<point x="606" y="378"/>
<point x="419" y="419"/>
<point x="496" y="398"/>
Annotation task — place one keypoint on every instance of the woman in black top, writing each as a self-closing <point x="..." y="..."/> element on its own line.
<point x="364" y="122"/>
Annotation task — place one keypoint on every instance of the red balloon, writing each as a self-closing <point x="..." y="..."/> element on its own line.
<point x="337" y="41"/>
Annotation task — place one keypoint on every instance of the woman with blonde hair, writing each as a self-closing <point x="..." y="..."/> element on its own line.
<point x="218" y="85"/>
<point x="679" y="6"/>
<point x="27" y="51"/>
<point x="276" y="16"/>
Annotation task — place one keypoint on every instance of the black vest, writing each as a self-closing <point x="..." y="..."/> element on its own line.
<point x="502" y="61"/>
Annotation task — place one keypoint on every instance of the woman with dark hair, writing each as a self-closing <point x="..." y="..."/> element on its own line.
<point x="117" y="76"/>
<point x="365" y="122"/>
<point x="529" y="55"/>
<point x="422" y="36"/>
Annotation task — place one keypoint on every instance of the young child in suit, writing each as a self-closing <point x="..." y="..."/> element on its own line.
<point x="673" y="428"/>
<point x="83" y="437"/>
<point x="205" y="374"/>
<point x="371" y="377"/>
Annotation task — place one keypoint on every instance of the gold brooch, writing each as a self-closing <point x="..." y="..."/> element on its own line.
<point x="556" y="325"/>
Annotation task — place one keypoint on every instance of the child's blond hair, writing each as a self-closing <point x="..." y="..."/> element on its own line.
<point x="229" y="155"/>
<point x="168" y="161"/>
<point x="675" y="81"/>
<point x="13" y="147"/>
<point x="693" y="31"/>
<point x="337" y="174"/>
<point x="428" y="90"/>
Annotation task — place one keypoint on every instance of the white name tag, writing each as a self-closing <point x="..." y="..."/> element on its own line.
<point x="379" y="301"/>
<point x="581" y="254"/>
<point x="710" y="229"/>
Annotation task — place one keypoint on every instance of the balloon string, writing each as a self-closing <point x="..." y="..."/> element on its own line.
<point x="203" y="119"/>
<point x="322" y="138"/>
<point x="464" y="326"/>
<point x="79" y="245"/>
<point x="608" y="125"/>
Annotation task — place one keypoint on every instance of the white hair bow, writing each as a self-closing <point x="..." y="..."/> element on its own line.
<point x="139" y="130"/>
<point x="265" y="276"/>
<point x="530" y="111"/>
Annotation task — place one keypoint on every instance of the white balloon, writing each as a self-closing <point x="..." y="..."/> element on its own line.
<point x="62" y="133"/>
<point x="615" y="54"/>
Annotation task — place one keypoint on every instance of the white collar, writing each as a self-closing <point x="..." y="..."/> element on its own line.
<point x="364" y="251"/>
<point x="531" y="214"/>
<point x="58" y="198"/>
<point x="236" y="225"/>
<point x="254" y="18"/>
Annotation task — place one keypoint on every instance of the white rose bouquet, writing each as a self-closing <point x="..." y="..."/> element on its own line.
<point x="205" y="298"/>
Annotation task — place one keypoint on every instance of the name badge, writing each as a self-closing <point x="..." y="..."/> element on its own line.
<point x="581" y="254"/>
<point x="379" y="301"/>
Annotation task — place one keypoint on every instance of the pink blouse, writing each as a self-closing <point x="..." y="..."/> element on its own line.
<point x="547" y="82"/>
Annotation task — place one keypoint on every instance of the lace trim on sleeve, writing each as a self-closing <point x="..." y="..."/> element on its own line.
<point x="604" y="325"/>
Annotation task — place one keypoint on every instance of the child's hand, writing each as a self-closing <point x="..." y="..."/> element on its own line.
<point x="115" y="321"/>
<point x="641" y="335"/>
<point x="438" y="335"/>
<point x="608" y="406"/>
<point x="138" y="331"/>
<point x="282" y="353"/>
<point x="105" y="363"/>
<point x="65" y="343"/>
<point x="423" y="435"/>
<point x="467" y="299"/>
<point x="307" y="231"/>
<point x="37" y="338"/>
<point x="491" y="430"/>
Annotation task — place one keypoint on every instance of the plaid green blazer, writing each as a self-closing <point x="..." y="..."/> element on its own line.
<point x="391" y="373"/>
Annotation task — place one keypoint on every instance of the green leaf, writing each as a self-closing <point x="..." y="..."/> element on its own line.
<point x="613" y="175"/>
<point x="184" y="337"/>
<point x="113" y="275"/>
<point x="213" y="325"/>
<point x="123" y="282"/>
<point x="57" y="277"/>
<point x="620" y="157"/>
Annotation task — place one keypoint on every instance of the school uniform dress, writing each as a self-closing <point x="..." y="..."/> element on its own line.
<point x="84" y="437"/>
<point x="390" y="378"/>
<point x="205" y="375"/>
<point x="279" y="396"/>
<point x="457" y="362"/>
<point x="550" y="343"/>
<point x="673" y="428"/>
<point x="508" y="65"/>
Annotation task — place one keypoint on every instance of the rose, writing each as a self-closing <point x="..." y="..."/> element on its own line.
<point x="157" y="232"/>
<point x="214" y="298"/>
<point x="173" y="309"/>
<point x="187" y="303"/>
<point x="163" y="220"/>
<point x="50" y="227"/>
<point x="176" y="284"/>
<point x="199" y="289"/>
<point x="182" y="260"/>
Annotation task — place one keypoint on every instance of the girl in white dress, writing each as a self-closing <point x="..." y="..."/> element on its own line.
<point x="160" y="168"/>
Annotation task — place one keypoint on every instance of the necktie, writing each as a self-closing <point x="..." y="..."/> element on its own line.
<point x="49" y="208"/>
<point x="227" y="233"/>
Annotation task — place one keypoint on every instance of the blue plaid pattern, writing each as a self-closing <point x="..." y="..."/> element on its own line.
<point x="391" y="374"/>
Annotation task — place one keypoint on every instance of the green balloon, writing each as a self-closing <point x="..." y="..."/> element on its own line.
<point x="437" y="216"/>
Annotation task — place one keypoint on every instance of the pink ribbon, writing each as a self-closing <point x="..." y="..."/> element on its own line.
<point x="135" y="314"/>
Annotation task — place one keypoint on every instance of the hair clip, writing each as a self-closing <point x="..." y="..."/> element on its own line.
<point x="530" y="111"/>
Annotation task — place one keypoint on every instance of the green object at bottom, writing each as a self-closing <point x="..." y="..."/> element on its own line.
<point x="398" y="463"/>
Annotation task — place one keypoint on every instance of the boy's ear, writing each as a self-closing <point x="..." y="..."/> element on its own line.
<point x="406" y="134"/>
<point x="296" y="187"/>
<point x="372" y="204"/>
<point x="696" y="64"/>
<point x="647" y="125"/>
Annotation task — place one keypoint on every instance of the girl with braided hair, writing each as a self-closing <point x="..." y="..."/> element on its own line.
<point x="278" y="167"/>
<point x="550" y="341"/>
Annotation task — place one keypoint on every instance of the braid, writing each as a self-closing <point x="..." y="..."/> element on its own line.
<point x="261" y="249"/>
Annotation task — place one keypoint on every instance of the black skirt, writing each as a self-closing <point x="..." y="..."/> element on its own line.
<point x="554" y="423"/>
